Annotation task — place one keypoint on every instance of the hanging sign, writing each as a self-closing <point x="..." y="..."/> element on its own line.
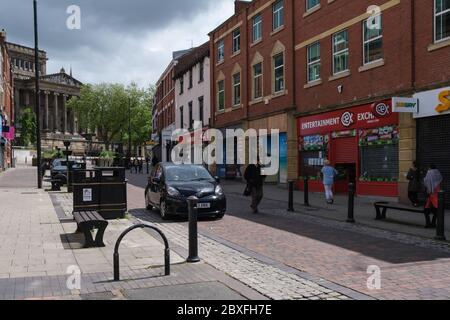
<point x="405" y="105"/>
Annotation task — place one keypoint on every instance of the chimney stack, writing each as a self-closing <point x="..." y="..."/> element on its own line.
<point x="240" y="5"/>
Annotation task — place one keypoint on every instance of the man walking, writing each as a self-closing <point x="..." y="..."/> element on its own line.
<point x="328" y="174"/>
<point x="255" y="181"/>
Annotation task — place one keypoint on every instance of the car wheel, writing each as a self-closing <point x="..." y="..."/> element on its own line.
<point x="163" y="210"/>
<point x="220" y="216"/>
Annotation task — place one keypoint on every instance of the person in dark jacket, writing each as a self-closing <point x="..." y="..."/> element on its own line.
<point x="255" y="180"/>
<point x="155" y="160"/>
<point x="414" y="184"/>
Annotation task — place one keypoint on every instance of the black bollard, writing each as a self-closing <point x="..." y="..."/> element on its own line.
<point x="351" y="203"/>
<point x="440" y="229"/>
<point x="291" y="196"/>
<point x="193" y="236"/>
<point x="116" y="266"/>
<point x="306" y="191"/>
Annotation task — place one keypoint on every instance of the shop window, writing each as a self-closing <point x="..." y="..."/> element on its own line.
<point x="441" y="20"/>
<point x="313" y="152"/>
<point x="379" y="161"/>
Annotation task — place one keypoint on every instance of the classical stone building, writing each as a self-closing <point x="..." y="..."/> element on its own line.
<point x="58" y="123"/>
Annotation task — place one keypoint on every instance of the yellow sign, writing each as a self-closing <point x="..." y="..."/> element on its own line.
<point x="444" y="98"/>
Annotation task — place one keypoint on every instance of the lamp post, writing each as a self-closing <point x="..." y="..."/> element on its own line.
<point x="67" y="144"/>
<point x="37" y="97"/>
<point x="129" y="130"/>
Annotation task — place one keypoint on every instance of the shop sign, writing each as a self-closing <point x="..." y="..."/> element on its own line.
<point x="405" y="105"/>
<point x="433" y="103"/>
<point x="366" y="116"/>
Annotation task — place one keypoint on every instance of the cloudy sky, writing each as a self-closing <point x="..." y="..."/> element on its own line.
<point x="119" y="40"/>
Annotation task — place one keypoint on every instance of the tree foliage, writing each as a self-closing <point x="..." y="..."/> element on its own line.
<point x="28" y="127"/>
<point x="106" y="107"/>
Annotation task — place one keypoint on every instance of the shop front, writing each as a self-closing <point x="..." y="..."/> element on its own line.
<point x="360" y="142"/>
<point x="433" y="133"/>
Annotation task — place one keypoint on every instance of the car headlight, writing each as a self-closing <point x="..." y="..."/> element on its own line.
<point x="171" y="191"/>
<point x="218" y="190"/>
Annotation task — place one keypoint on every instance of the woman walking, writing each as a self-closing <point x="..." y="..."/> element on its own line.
<point x="432" y="182"/>
<point x="328" y="175"/>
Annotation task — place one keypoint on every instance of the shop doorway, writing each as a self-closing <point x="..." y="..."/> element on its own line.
<point x="345" y="159"/>
<point x="346" y="174"/>
<point x="433" y="145"/>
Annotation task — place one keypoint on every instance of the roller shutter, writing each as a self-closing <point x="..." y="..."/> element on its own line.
<point x="345" y="150"/>
<point x="433" y="147"/>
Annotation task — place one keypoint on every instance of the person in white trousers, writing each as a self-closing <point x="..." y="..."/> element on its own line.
<point x="328" y="174"/>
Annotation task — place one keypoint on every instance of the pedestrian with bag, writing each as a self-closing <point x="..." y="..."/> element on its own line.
<point x="255" y="182"/>
<point x="414" y="184"/>
<point x="328" y="176"/>
<point x="432" y="182"/>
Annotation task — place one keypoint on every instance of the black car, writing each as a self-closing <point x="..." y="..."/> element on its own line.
<point x="169" y="185"/>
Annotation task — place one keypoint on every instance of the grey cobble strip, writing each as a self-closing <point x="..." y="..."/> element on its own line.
<point x="267" y="280"/>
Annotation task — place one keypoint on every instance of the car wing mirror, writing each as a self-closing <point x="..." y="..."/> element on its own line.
<point x="217" y="179"/>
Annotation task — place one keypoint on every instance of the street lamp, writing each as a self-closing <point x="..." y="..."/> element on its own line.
<point x="67" y="153"/>
<point x="37" y="97"/>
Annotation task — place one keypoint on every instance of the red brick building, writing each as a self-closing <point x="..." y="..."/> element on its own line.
<point x="164" y="110"/>
<point x="351" y="58"/>
<point x="252" y="77"/>
<point x="6" y="105"/>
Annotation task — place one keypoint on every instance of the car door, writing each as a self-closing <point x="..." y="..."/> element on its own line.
<point x="155" y="185"/>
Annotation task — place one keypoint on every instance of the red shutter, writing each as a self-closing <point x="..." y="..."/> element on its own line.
<point x="345" y="150"/>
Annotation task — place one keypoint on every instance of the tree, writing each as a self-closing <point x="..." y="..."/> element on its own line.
<point x="105" y="108"/>
<point x="28" y="127"/>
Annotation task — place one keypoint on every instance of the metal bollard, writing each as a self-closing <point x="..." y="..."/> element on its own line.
<point x="440" y="229"/>
<point x="306" y="191"/>
<point x="291" y="196"/>
<point x="193" y="236"/>
<point x="351" y="203"/>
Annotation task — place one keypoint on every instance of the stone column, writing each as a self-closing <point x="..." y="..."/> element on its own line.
<point x="56" y="120"/>
<point x="64" y="129"/>
<point x="46" y="122"/>
<point x="407" y="152"/>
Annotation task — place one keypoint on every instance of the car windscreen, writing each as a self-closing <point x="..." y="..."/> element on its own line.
<point x="187" y="173"/>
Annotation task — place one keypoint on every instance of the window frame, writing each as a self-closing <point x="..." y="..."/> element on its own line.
<point x="254" y="97"/>
<point x="274" y="69"/>
<point x="365" y="42"/>
<point x="337" y="53"/>
<point x="182" y="85"/>
<point x="235" y="85"/>
<point x="311" y="8"/>
<point x="191" y="114"/>
<point x="309" y="64"/>
<point x="220" y="51"/>
<point x="191" y="78"/>
<point x="238" y="39"/>
<point x="182" y="117"/>
<point x="257" y="26"/>
<point x="201" y="72"/>
<point x="201" y="107"/>
<point x="435" y="16"/>
<point x="278" y="14"/>
<point x="219" y="108"/>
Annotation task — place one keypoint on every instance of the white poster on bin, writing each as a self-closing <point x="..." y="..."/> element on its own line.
<point x="87" y="195"/>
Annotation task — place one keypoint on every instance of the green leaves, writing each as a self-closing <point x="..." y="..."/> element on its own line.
<point x="28" y="130"/>
<point x="107" y="108"/>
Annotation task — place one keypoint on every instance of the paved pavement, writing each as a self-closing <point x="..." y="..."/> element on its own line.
<point x="412" y="266"/>
<point x="40" y="245"/>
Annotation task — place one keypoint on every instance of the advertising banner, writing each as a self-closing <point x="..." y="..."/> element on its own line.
<point x="433" y="103"/>
<point x="366" y="116"/>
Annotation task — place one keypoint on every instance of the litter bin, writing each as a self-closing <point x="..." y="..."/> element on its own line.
<point x="113" y="192"/>
<point x="86" y="190"/>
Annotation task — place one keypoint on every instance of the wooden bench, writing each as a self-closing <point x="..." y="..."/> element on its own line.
<point x="382" y="207"/>
<point x="87" y="221"/>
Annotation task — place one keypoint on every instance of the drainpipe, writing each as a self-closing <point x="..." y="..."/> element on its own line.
<point x="413" y="46"/>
